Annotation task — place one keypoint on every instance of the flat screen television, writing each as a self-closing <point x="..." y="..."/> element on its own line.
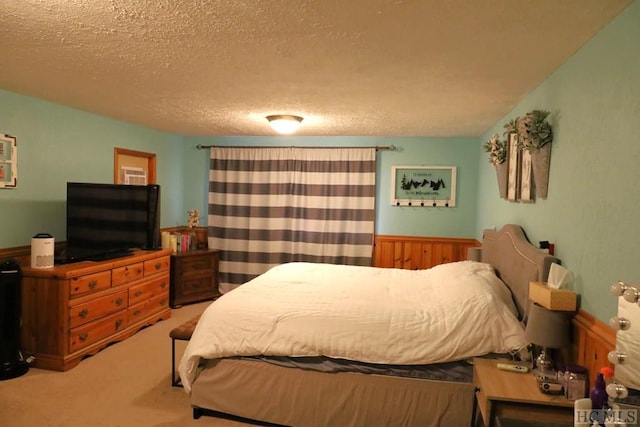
<point x="110" y="220"/>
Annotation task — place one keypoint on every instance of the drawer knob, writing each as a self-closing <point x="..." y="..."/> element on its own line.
<point x="118" y="301"/>
<point x="163" y="285"/>
<point x="158" y="265"/>
<point x="118" y="323"/>
<point x="83" y="313"/>
<point x="136" y="312"/>
<point x="137" y="293"/>
<point x="163" y="302"/>
<point x="93" y="284"/>
<point x="83" y="336"/>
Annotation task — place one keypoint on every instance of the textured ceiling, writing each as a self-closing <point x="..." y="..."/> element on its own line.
<point x="350" y="67"/>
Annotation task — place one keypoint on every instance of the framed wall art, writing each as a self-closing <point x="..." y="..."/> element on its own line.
<point x="426" y="186"/>
<point x="8" y="161"/>
<point x="133" y="167"/>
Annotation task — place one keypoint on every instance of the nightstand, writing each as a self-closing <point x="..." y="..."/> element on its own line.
<point x="515" y="396"/>
<point x="194" y="277"/>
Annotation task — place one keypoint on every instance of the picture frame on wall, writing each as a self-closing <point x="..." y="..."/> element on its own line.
<point x="423" y="186"/>
<point x="513" y="181"/>
<point x="133" y="167"/>
<point x="8" y="161"/>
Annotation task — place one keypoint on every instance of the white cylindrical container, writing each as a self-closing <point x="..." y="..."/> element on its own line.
<point x="42" y="248"/>
<point x="166" y="240"/>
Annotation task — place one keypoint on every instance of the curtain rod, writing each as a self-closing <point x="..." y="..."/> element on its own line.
<point x="377" y="147"/>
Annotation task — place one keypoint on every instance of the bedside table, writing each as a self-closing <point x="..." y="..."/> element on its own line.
<point x="515" y="396"/>
<point x="194" y="277"/>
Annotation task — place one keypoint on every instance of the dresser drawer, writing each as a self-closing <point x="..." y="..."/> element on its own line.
<point x="149" y="289"/>
<point x="89" y="283"/>
<point x="85" y="335"/>
<point x="144" y="309"/>
<point x="98" y="307"/>
<point x="198" y="287"/>
<point x="128" y="273"/>
<point x="155" y="266"/>
<point x="200" y="263"/>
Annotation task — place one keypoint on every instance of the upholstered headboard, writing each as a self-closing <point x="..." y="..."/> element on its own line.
<point x="516" y="261"/>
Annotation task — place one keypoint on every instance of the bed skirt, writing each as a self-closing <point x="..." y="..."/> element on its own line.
<point x="294" y="397"/>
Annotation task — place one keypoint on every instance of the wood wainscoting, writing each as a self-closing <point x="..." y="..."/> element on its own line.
<point x="592" y="341"/>
<point x="413" y="253"/>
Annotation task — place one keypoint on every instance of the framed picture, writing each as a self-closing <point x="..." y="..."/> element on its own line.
<point x="133" y="167"/>
<point x="426" y="186"/>
<point x="513" y="157"/>
<point x="8" y="161"/>
<point x="526" y="178"/>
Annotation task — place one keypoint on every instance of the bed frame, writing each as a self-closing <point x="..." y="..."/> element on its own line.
<point x="276" y="395"/>
<point x="516" y="261"/>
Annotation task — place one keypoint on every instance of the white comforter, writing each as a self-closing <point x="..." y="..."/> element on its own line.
<point x="377" y="315"/>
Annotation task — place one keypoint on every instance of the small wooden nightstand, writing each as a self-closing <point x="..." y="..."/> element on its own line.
<point x="194" y="277"/>
<point x="515" y="396"/>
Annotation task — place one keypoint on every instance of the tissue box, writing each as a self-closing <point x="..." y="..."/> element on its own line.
<point x="552" y="299"/>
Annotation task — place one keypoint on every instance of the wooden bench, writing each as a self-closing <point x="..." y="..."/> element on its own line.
<point x="182" y="333"/>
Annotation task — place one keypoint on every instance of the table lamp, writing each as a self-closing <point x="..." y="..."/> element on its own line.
<point x="547" y="329"/>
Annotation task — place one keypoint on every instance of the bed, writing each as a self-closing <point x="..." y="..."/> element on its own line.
<point x="323" y="345"/>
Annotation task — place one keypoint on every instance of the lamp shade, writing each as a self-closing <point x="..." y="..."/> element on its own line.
<point x="547" y="328"/>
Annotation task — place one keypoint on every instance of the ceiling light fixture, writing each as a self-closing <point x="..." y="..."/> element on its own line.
<point x="284" y="124"/>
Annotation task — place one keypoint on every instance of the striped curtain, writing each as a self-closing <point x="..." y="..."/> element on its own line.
<point x="271" y="205"/>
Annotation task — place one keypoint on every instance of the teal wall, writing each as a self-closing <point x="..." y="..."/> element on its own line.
<point x="591" y="213"/>
<point x="409" y="221"/>
<point x="57" y="144"/>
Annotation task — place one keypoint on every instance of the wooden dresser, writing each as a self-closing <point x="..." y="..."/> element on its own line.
<point x="74" y="310"/>
<point x="194" y="276"/>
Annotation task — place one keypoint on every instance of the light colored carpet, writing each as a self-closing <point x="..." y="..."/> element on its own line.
<point x="126" y="384"/>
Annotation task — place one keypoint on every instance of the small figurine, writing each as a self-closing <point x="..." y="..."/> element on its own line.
<point x="193" y="220"/>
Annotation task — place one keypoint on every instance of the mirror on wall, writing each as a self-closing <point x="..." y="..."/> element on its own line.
<point x="628" y="343"/>
<point x="624" y="390"/>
